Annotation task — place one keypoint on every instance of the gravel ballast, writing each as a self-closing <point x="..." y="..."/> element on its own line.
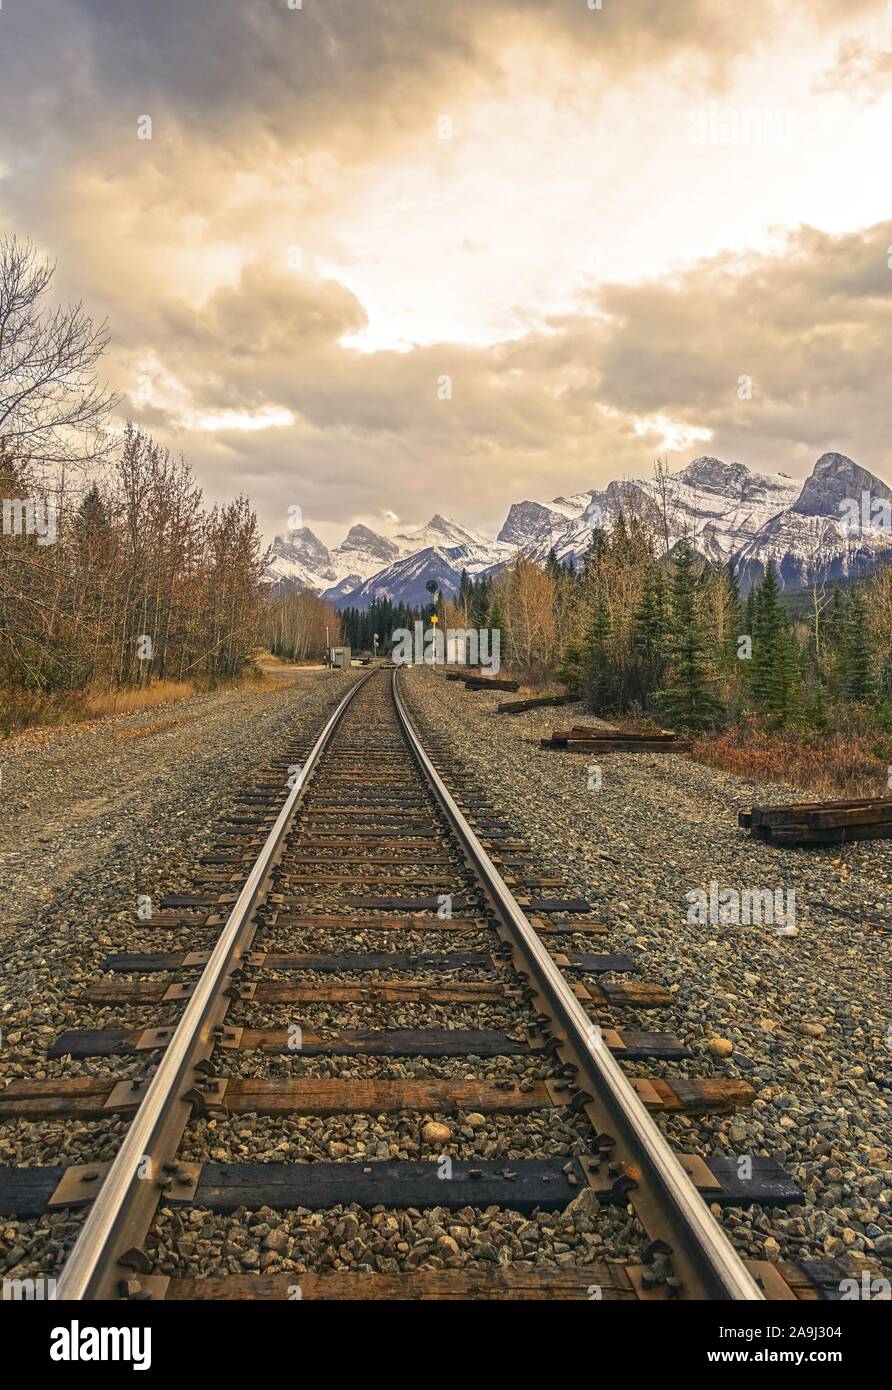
<point x="807" y="1015"/>
<point x="93" y="816"/>
<point x="799" y="1017"/>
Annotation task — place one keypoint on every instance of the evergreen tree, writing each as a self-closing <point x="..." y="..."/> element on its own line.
<point x="767" y="622"/>
<point x="495" y="617"/>
<point x="774" y="673"/>
<point x="480" y="601"/>
<point x="687" y="700"/>
<point x="784" y="702"/>
<point x="651" y="618"/>
<point x="858" y="681"/>
<point x="593" y="553"/>
<point x="595" y="659"/>
<point x="749" y="613"/>
<point x="649" y="629"/>
<point x="553" y="566"/>
<point x="815" y="708"/>
<point x="465" y="593"/>
<point x="733" y="613"/>
<point x="91" y="517"/>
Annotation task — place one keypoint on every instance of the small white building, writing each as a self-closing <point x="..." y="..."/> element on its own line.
<point x="340" y="657"/>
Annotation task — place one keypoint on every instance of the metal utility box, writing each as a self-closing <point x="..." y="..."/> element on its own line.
<point x="340" y="657"/>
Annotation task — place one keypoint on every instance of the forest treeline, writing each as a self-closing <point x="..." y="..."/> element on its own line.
<point x="298" y="625"/>
<point x="113" y="572"/>
<point x="646" y="628"/>
<point x="141" y="582"/>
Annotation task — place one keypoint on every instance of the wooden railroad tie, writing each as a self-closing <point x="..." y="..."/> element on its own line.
<point x="94" y="1097"/>
<point x="613" y="1283"/>
<point x="535" y="702"/>
<point x="490" y="683"/>
<point x="546" y="1184"/>
<point x="628" y="1044"/>
<point x="820" y="822"/>
<point x="585" y="738"/>
<point x="151" y="962"/>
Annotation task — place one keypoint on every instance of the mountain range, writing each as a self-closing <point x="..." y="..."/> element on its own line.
<point x="729" y="512"/>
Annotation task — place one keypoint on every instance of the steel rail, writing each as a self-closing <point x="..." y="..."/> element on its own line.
<point x="704" y="1258"/>
<point x="125" y="1204"/>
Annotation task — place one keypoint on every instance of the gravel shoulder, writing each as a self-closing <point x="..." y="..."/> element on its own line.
<point x="807" y="1015"/>
<point x="97" y="814"/>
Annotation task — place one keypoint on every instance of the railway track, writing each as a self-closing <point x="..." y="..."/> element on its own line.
<point x="358" y="880"/>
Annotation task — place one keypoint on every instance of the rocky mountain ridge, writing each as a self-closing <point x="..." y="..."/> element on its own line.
<point x="822" y="526"/>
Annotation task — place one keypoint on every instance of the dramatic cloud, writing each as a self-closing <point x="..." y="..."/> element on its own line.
<point x="393" y="257"/>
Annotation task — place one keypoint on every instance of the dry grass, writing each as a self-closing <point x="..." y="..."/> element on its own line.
<point x="99" y="704"/>
<point x="27" y="709"/>
<point x="854" y="760"/>
<point x="838" y="766"/>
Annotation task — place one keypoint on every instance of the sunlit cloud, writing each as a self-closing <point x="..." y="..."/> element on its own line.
<point x="291" y="267"/>
<point x="671" y="435"/>
<point x="266" y="419"/>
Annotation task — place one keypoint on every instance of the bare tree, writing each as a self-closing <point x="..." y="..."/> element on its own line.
<point x="297" y="621"/>
<point x="817" y="588"/>
<point x="141" y="583"/>
<point x="527" y="595"/>
<point x="52" y="405"/>
<point x="665" y="498"/>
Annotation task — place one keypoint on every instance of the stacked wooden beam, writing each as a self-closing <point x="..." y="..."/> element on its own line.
<point x="490" y="683"/>
<point x="535" y="702"/>
<point x="821" y="822"/>
<point x="585" y="738"/>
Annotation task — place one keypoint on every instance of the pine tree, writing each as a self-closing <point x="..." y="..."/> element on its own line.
<point x="749" y="613"/>
<point x="775" y="673"/>
<point x="815" y="708"/>
<point x="480" y="600"/>
<point x="733" y="613"/>
<point x="687" y="700"/>
<point x="767" y="622"/>
<point x="784" y="703"/>
<point x="858" y="680"/>
<point x="595" y="658"/>
<point x="594" y="552"/>
<point x="91" y="516"/>
<point x="649" y="628"/>
<point x="650" y="616"/>
<point x="495" y="618"/>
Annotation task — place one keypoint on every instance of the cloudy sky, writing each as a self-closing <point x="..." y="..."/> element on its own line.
<point x="381" y="258"/>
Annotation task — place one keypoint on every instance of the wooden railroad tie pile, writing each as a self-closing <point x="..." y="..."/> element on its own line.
<point x="474" y="679"/>
<point x="535" y="702"/>
<point x="584" y="738"/>
<point x="475" y="682"/>
<point x="821" y="822"/>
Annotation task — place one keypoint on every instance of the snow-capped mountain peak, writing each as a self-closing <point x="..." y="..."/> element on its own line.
<point x="814" y="540"/>
<point x="713" y="475"/>
<point x="439" y="531"/>
<point x="730" y="512"/>
<point x="301" y="556"/>
<point x="362" y="547"/>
